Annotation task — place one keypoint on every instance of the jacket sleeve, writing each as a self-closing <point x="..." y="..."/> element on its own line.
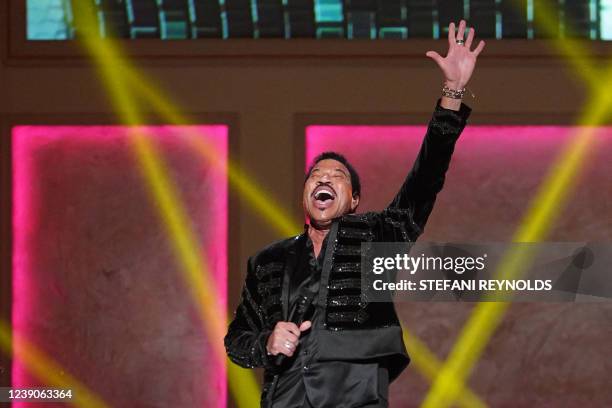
<point x="425" y="180"/>
<point x="245" y="341"/>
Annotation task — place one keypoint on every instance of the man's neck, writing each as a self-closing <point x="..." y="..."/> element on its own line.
<point x="317" y="236"/>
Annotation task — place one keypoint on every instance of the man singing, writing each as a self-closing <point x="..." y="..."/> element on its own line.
<point x="301" y="316"/>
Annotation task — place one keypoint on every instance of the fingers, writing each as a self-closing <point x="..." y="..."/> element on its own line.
<point x="470" y="38"/>
<point x="305" y="325"/>
<point x="280" y="343"/>
<point x="435" y="56"/>
<point x="478" y="49"/>
<point x="291" y="337"/>
<point x="451" y="35"/>
<point x="285" y="338"/>
<point x="287" y="347"/>
<point x="287" y="331"/>
<point x="461" y="33"/>
<point x="288" y="326"/>
<point x="279" y="346"/>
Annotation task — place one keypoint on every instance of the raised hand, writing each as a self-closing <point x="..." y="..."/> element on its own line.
<point x="459" y="62"/>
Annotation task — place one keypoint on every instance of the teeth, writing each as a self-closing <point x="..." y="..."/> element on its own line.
<point x="319" y="191"/>
<point x="326" y="192"/>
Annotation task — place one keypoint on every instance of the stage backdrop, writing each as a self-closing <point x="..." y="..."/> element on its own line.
<point x="548" y="355"/>
<point x="97" y="285"/>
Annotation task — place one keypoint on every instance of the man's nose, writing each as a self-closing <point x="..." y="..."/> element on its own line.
<point x="325" y="178"/>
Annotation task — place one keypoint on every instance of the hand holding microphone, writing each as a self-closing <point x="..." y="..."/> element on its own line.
<point x="284" y="339"/>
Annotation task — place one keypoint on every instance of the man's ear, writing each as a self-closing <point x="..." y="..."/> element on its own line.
<point x="354" y="202"/>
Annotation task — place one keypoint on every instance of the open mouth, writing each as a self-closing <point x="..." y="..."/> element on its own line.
<point x="324" y="195"/>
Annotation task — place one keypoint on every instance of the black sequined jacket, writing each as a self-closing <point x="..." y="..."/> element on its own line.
<point x="352" y="329"/>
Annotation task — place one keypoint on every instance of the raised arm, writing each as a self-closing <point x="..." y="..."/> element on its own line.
<point x="425" y="180"/>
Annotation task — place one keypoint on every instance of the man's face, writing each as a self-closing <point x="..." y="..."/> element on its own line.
<point x="328" y="193"/>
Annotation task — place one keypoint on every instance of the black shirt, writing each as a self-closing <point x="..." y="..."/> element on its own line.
<point x="305" y="381"/>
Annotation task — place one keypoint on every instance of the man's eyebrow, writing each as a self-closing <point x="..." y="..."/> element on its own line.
<point x="338" y="169"/>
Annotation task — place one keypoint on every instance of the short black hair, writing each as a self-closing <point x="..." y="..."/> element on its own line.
<point x="355" y="183"/>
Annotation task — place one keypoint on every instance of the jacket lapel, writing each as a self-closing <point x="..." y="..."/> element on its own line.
<point x="327" y="264"/>
<point x="290" y="265"/>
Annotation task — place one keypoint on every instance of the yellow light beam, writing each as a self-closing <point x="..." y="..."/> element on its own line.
<point x="244" y="186"/>
<point x="168" y="109"/>
<point x="249" y="190"/>
<point x="164" y="192"/>
<point x="170" y="208"/>
<point x="429" y="366"/>
<point x="491" y="313"/>
<point x="45" y="368"/>
<point x="188" y="253"/>
<point x="575" y="51"/>
<point x="240" y="181"/>
<point x="469" y="398"/>
<point x="545" y="208"/>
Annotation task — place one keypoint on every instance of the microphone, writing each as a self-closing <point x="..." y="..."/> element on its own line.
<point x="296" y="315"/>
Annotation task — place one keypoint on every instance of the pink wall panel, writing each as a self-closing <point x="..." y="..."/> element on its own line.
<point x="541" y="354"/>
<point x="494" y="173"/>
<point x="96" y="284"/>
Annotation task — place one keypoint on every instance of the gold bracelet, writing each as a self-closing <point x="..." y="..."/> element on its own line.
<point x="453" y="93"/>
